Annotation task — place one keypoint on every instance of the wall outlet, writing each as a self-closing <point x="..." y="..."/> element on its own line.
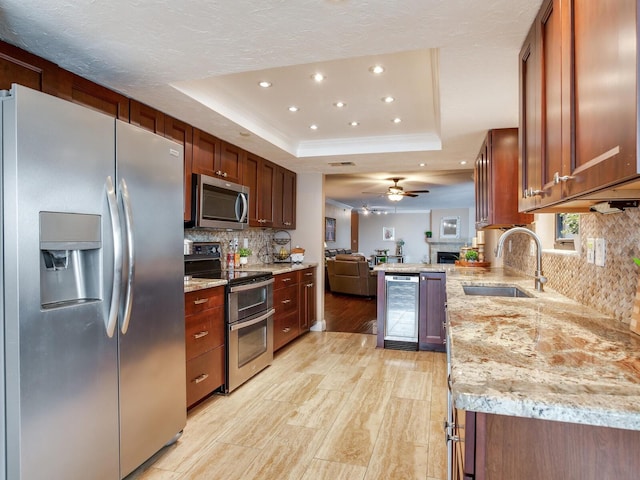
<point x="600" y="252"/>
<point x="245" y="242"/>
<point x="591" y="250"/>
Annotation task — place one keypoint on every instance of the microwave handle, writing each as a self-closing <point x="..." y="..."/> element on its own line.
<point x="245" y="207"/>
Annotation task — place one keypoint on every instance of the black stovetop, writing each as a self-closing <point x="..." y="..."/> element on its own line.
<point x="205" y="262"/>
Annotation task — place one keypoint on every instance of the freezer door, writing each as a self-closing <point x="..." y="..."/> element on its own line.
<point x="61" y="365"/>
<point x="151" y="330"/>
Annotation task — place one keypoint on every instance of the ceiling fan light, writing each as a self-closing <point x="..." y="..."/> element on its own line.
<point x="394" y="197"/>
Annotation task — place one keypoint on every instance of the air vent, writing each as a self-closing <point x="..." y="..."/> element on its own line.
<point x="342" y="164"/>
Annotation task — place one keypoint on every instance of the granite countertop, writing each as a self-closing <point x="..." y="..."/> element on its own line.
<point x="412" y="267"/>
<point x="545" y="357"/>
<point x="276" y="268"/>
<point x="202" y="283"/>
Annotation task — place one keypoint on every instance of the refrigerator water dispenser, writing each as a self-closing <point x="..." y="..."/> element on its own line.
<point x="70" y="269"/>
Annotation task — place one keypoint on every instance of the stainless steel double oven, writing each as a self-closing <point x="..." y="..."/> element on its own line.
<point x="249" y="329"/>
<point x="248" y="313"/>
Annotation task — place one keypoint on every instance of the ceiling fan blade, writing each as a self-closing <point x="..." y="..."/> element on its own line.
<point x="409" y="194"/>
<point x="417" y="191"/>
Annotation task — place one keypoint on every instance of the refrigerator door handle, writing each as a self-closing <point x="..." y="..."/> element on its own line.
<point x="128" y="221"/>
<point x="112" y="201"/>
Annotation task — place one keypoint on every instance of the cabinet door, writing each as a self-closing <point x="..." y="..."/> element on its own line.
<point x="260" y="176"/>
<point x="307" y="299"/>
<point x="501" y="154"/>
<point x="250" y="179"/>
<point x="206" y="148"/>
<point x="529" y="132"/>
<point x="230" y="163"/>
<point x="555" y="137"/>
<point x="431" y="314"/>
<point x="146" y="117"/>
<point x="266" y="183"/>
<point x="79" y="90"/>
<point x="289" y="180"/>
<point x="23" y="68"/>
<point x="604" y="93"/>
<point x="183" y="133"/>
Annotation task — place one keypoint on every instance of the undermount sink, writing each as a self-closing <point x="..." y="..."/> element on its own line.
<point x="495" y="291"/>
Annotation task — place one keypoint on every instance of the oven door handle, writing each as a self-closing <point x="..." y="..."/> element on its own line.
<point x="239" y="325"/>
<point x="250" y="286"/>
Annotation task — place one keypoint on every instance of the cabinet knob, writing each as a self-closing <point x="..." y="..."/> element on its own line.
<point x="286" y="279"/>
<point x="200" y="301"/>
<point x="286" y="330"/>
<point x="286" y="301"/>
<point x="218" y="172"/>
<point x="198" y="335"/>
<point x="224" y="174"/>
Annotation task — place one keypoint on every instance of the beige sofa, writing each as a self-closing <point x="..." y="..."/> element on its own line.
<point x="350" y="274"/>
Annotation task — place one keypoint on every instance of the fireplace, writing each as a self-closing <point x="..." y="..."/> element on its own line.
<point x="447" y="257"/>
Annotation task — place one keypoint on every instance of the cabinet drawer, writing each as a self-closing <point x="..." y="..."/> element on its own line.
<point x="205" y="373"/>
<point x="283" y="280"/>
<point x="285" y="300"/>
<point x="200" y="300"/>
<point x="204" y="331"/>
<point x="285" y="329"/>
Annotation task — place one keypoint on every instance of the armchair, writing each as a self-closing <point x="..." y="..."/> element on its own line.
<point x="351" y="274"/>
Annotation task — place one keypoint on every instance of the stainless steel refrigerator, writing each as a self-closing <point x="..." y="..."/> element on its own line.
<point x="92" y="281"/>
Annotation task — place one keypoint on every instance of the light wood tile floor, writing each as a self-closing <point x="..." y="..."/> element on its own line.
<point x="331" y="406"/>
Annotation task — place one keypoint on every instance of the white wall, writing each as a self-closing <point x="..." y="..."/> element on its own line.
<point x="409" y="227"/>
<point x="342" y="214"/>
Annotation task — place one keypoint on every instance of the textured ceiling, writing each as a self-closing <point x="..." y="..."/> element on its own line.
<point x="453" y="72"/>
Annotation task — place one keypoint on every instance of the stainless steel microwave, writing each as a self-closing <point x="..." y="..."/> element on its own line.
<point x="219" y="203"/>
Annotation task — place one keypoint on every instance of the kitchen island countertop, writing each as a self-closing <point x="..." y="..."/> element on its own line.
<point x="545" y="357"/>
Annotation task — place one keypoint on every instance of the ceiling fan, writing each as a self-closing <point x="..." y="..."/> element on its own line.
<point x="396" y="192"/>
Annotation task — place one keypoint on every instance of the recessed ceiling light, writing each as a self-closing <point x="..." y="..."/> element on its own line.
<point x="313" y="126"/>
<point x="264" y="84"/>
<point x="318" y="77"/>
<point x="388" y="99"/>
<point x="245" y="134"/>
<point x="293" y="108"/>
<point x="396" y="120"/>
<point x="422" y="164"/>
<point x="376" y="69"/>
<point x="340" y="104"/>
<point x="354" y="124"/>
<point x="463" y="162"/>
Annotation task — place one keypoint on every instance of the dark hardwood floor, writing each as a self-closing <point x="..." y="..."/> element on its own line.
<point x="350" y="313"/>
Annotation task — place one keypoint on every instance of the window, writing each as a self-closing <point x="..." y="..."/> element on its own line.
<point x="567" y="228"/>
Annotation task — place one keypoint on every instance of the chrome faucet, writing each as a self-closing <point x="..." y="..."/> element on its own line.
<point x="540" y="279"/>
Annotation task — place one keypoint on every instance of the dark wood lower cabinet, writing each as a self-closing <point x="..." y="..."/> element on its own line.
<point x="205" y="342"/>
<point x="433" y="297"/>
<point x="294" y="302"/>
<point x="499" y="447"/>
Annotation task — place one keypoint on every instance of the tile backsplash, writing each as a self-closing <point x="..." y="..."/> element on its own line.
<point x="260" y="241"/>
<point x="610" y="289"/>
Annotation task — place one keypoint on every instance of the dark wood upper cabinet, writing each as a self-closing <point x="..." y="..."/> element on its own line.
<point x="604" y="85"/>
<point x="529" y="169"/>
<point x="18" y="66"/>
<point x="146" y="117"/>
<point x="578" y="106"/>
<point x="182" y="133"/>
<point x="259" y="175"/>
<point x="84" y="92"/>
<point x="496" y="179"/>
<point x="229" y="165"/>
<point x="284" y="198"/>
<point x="206" y="148"/>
